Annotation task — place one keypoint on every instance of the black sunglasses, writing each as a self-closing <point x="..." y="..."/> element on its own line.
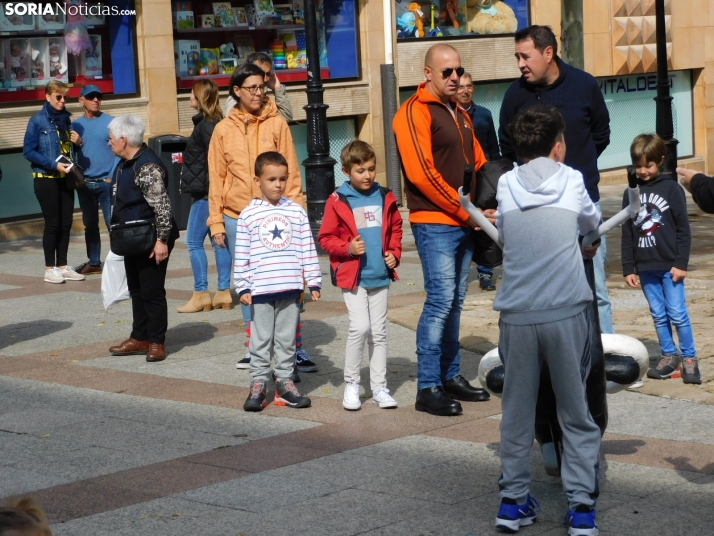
<point x="93" y="96"/>
<point x="446" y="73"/>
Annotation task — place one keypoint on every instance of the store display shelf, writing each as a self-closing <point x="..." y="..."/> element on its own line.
<point x="242" y="28"/>
<point x="43" y="33"/>
<point x="37" y="93"/>
<point x="285" y="75"/>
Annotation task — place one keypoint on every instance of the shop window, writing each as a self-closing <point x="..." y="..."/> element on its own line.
<point x="76" y="42"/>
<point x="212" y="38"/>
<point x="451" y="18"/>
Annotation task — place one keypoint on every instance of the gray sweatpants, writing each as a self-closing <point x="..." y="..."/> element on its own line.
<point x="273" y="331"/>
<point x="565" y="347"/>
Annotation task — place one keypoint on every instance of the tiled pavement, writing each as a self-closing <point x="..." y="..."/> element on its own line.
<point x="119" y="446"/>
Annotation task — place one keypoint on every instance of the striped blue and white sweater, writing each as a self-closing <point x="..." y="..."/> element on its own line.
<point x="275" y="252"/>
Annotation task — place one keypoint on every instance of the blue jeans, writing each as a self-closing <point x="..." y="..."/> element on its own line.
<point x="445" y="252"/>
<point x="668" y="306"/>
<point x="604" y="308"/>
<point x="96" y="194"/>
<point x="231" y="225"/>
<point x="196" y="232"/>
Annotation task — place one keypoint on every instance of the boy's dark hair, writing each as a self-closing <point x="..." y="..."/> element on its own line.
<point x="648" y="146"/>
<point x="356" y="152"/>
<point x="269" y="158"/>
<point x="535" y="131"/>
<point x="240" y="74"/>
<point x="542" y="37"/>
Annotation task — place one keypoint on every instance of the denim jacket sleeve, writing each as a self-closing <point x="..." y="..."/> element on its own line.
<point x="37" y="150"/>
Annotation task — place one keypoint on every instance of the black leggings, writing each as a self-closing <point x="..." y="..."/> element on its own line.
<point x="57" y="204"/>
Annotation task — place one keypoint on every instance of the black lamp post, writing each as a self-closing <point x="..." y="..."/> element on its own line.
<point x="665" y="124"/>
<point x="319" y="166"/>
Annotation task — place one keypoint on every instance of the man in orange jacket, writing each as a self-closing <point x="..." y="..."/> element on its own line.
<point x="436" y="142"/>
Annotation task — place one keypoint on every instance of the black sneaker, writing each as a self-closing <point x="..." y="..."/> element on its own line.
<point x="302" y="360"/>
<point x="668" y="366"/>
<point x="244" y="363"/>
<point x="256" y="400"/>
<point x="485" y="282"/>
<point x="286" y="394"/>
<point x="690" y="372"/>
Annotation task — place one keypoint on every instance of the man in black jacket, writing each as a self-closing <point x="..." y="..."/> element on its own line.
<point x="700" y="186"/>
<point x="546" y="79"/>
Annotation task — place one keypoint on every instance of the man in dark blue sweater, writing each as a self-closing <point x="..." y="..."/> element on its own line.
<point x="546" y="79"/>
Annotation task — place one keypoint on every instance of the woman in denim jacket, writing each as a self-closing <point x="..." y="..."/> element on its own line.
<point x="47" y="137"/>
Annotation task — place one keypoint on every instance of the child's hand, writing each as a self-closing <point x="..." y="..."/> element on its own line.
<point x="631" y="281"/>
<point x="357" y="246"/>
<point x="246" y="299"/>
<point x="677" y="274"/>
<point x="390" y="260"/>
<point x="315" y="294"/>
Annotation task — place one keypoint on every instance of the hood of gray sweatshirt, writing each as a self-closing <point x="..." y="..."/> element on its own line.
<point x="542" y="208"/>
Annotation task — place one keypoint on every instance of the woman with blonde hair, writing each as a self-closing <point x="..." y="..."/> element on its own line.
<point x="48" y="137"/>
<point x="194" y="180"/>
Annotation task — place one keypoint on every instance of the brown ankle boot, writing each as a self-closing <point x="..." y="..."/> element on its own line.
<point x="199" y="301"/>
<point x="223" y="299"/>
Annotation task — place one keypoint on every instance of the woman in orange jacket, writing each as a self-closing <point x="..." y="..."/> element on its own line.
<point x="253" y="126"/>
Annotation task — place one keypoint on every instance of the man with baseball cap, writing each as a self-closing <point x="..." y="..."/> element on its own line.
<point x="98" y="162"/>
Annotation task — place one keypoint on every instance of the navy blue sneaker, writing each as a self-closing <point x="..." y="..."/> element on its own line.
<point x="581" y="522"/>
<point x="512" y="516"/>
<point x="303" y="361"/>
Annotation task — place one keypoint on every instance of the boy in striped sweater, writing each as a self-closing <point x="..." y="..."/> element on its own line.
<point x="275" y="255"/>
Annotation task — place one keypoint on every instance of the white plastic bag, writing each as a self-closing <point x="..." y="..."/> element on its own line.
<point x="114" y="285"/>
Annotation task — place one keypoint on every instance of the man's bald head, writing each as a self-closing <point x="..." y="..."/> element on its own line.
<point x="442" y="67"/>
<point x="438" y="50"/>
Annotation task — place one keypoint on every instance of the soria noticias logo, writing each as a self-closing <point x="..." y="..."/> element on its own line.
<point x="37" y="8"/>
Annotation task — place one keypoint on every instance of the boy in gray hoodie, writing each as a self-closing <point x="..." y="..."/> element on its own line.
<point x="542" y="208"/>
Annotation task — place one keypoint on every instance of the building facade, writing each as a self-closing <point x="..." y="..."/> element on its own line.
<point x="147" y="62"/>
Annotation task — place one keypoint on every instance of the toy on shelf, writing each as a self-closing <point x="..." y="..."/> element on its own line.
<point x="208" y="61"/>
<point x="15" y="23"/>
<point x="186" y="55"/>
<point x="490" y="17"/>
<point x="18" y="60"/>
<point x="50" y="21"/>
<point x="277" y="49"/>
<point x="223" y="14"/>
<point x="184" y="20"/>
<point x="38" y="59"/>
<point x="76" y="37"/>
<point x="94" y="16"/>
<point x="410" y="24"/>
<point x="451" y="11"/>
<point x="228" y="60"/>
<point x="208" y="21"/>
<point x="91" y="60"/>
<point x="58" y="59"/>
<point x="239" y="17"/>
<point x="434" y="31"/>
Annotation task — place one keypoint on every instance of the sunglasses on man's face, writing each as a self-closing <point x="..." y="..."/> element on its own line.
<point x="446" y="73"/>
<point x="93" y="96"/>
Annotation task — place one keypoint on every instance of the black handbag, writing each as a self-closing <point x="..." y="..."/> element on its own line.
<point x="486" y="252"/>
<point x="136" y="237"/>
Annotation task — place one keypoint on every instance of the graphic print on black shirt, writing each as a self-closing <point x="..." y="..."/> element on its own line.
<point x="649" y="218"/>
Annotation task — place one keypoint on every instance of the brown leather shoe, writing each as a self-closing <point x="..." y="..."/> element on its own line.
<point x="130" y="347"/>
<point x="157" y="352"/>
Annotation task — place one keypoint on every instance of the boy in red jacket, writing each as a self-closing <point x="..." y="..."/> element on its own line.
<point x="362" y="232"/>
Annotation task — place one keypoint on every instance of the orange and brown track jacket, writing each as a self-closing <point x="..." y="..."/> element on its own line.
<point x="236" y="142"/>
<point x="435" y="145"/>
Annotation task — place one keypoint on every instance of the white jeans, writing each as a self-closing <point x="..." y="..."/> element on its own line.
<point x="367" y="310"/>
